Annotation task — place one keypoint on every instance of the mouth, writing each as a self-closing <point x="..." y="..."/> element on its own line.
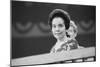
<point x="58" y="33"/>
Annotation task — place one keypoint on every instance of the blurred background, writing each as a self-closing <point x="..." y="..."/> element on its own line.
<point x="31" y="35"/>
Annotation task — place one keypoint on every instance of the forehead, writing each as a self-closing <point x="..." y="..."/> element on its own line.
<point x="57" y="20"/>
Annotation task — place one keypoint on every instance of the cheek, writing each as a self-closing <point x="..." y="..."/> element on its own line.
<point x="53" y="31"/>
<point x="63" y="30"/>
<point x="71" y="33"/>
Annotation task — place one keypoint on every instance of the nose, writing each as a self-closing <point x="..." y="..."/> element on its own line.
<point x="57" y="29"/>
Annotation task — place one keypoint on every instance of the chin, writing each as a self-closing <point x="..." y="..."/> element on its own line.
<point x="58" y="37"/>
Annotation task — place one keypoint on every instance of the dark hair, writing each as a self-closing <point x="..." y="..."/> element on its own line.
<point x="59" y="13"/>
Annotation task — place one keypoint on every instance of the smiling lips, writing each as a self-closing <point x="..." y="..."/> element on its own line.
<point x="58" y="33"/>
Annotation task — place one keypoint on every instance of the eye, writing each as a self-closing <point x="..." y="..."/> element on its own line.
<point x="61" y="25"/>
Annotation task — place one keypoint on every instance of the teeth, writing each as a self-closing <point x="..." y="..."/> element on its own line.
<point x="58" y="33"/>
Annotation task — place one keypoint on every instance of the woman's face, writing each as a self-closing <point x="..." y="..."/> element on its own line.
<point x="58" y="27"/>
<point x="71" y="31"/>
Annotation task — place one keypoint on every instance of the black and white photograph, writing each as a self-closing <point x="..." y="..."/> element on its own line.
<point x="44" y="33"/>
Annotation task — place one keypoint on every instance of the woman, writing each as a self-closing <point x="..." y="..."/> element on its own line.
<point x="72" y="32"/>
<point x="59" y="21"/>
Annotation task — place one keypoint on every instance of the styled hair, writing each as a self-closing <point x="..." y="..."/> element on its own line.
<point x="59" y="13"/>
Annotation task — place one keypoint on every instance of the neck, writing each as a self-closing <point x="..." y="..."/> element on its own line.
<point x="62" y="39"/>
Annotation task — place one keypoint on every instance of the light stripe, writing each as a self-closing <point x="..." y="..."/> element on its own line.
<point x="54" y="57"/>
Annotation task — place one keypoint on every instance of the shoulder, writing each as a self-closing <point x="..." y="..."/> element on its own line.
<point x="52" y="50"/>
<point x="73" y="44"/>
<point x="72" y="41"/>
